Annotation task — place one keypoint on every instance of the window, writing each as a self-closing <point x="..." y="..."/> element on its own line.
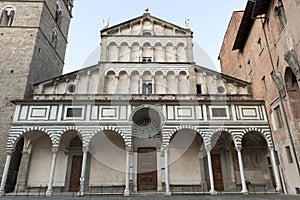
<point x="147" y="88"/>
<point x="146" y="33"/>
<point x="221" y="89"/>
<point x="7" y="16"/>
<point x="249" y="66"/>
<point x="259" y="45"/>
<point x="264" y="84"/>
<point x="74" y="112"/>
<point x="58" y="13"/>
<point x="199" y="89"/>
<point x="71" y="88"/>
<point x="54" y="37"/>
<point x="280" y="13"/>
<point x="147" y="59"/>
<point x="278" y="117"/>
<point x="219" y="112"/>
<point x="289" y="154"/>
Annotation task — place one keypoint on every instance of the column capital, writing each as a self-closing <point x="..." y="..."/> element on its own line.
<point x="272" y="148"/>
<point x="239" y="148"/>
<point x="208" y="149"/>
<point x="10" y="151"/>
<point x="54" y="150"/>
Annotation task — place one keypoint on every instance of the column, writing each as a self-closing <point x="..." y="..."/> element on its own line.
<point x="241" y="166"/>
<point x="5" y="172"/>
<point x="167" y="180"/>
<point x="135" y="171"/>
<point x="159" y="185"/>
<point x="127" y="190"/>
<point x="202" y="167"/>
<point x="210" y="170"/>
<point x="52" y="171"/>
<point x="23" y="170"/>
<point x="83" y="171"/>
<point x="275" y="170"/>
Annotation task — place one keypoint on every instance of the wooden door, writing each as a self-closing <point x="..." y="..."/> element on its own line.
<point x="75" y="174"/>
<point x="147" y="169"/>
<point x="217" y="170"/>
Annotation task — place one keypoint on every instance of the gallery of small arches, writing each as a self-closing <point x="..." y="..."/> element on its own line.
<point x="146" y="82"/>
<point x="106" y="162"/>
<point x="146" y="52"/>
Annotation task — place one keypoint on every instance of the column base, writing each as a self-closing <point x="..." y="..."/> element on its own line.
<point x="278" y="189"/>
<point x="168" y="194"/>
<point x="213" y="192"/>
<point x="245" y="192"/>
<point x="2" y="193"/>
<point x="49" y="193"/>
<point x="80" y="194"/>
<point x="126" y="192"/>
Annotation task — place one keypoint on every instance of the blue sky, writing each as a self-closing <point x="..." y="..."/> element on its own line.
<point x="208" y="21"/>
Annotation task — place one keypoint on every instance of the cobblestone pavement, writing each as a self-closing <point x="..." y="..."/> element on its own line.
<point x="174" y="197"/>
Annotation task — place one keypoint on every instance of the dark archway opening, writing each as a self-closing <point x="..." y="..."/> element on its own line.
<point x="14" y="167"/>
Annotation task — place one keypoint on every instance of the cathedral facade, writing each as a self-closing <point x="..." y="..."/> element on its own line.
<point x="145" y="118"/>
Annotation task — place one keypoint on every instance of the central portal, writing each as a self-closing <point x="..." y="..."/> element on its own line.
<point x="147" y="169"/>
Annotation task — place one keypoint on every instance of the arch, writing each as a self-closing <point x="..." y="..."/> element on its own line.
<point x="14" y="137"/>
<point x="293" y="92"/>
<point x="124" y="52"/>
<point x="110" y="82"/>
<point x="147" y="75"/>
<point x="170" y="53"/>
<point x="183" y="84"/>
<point x="172" y="85"/>
<point x="136" y="109"/>
<point x="167" y="134"/>
<point x="265" y="133"/>
<point x="220" y="131"/>
<point x="7" y="15"/>
<point x="134" y="82"/>
<point x="106" y="128"/>
<point x="159" y="52"/>
<point x="135" y="52"/>
<point x="113" y="51"/>
<point x="181" y="52"/>
<point x="123" y="85"/>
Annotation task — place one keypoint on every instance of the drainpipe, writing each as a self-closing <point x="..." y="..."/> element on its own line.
<point x="280" y="96"/>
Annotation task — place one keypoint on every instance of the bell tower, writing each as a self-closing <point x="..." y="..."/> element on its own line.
<point x="33" y="40"/>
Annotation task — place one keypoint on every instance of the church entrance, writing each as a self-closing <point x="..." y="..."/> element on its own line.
<point x="75" y="174"/>
<point x="218" y="177"/>
<point x="147" y="169"/>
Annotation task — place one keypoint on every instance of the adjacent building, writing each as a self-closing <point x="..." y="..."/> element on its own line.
<point x="261" y="46"/>
<point x="33" y="40"/>
<point x="145" y="118"/>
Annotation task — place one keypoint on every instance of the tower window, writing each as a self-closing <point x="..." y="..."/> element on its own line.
<point x="289" y="154"/>
<point x="259" y="45"/>
<point x="58" y="13"/>
<point x="278" y="117"/>
<point x="54" y="37"/>
<point x="7" y="16"/>
<point x="249" y="66"/>
<point x="264" y="84"/>
<point x="280" y="13"/>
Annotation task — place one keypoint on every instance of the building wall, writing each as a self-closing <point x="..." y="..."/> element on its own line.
<point x="281" y="40"/>
<point x="28" y="55"/>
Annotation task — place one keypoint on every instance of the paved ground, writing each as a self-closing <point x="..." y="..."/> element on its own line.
<point x="174" y="197"/>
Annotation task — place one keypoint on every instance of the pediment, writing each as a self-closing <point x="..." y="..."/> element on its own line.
<point x="146" y="25"/>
